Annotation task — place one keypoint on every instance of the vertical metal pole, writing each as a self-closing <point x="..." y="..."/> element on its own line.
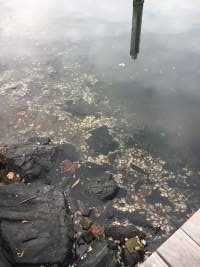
<point x="136" y="27"/>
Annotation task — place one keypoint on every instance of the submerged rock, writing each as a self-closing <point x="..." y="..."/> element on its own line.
<point x="67" y="151"/>
<point x="36" y="157"/>
<point x="131" y="259"/>
<point x="156" y="197"/>
<point x="100" y="256"/>
<point x="103" y="188"/>
<point x="35" y="224"/>
<point x="30" y="160"/>
<point x="132" y="244"/>
<point x="39" y="140"/>
<point x="120" y="232"/>
<point x="102" y="141"/>
<point x="3" y="259"/>
<point x="133" y="251"/>
<point x="91" y="169"/>
<point x="80" y="108"/>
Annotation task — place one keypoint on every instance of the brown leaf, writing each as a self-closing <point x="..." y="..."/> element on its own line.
<point x="13" y="177"/>
<point x="97" y="230"/>
<point x="68" y="166"/>
<point x="21" y="113"/>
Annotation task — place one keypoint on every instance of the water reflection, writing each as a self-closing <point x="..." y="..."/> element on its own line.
<point x="136" y="27"/>
<point x="53" y="51"/>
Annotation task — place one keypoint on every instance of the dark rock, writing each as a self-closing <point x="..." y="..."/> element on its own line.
<point x="81" y="250"/>
<point x="88" y="237"/>
<point x="30" y="160"/>
<point x="3" y="259"/>
<point x="100" y="256"/>
<point x="155" y="197"/>
<point x="103" y="188"/>
<point x="109" y="211"/>
<point x="132" y="259"/>
<point x="67" y="151"/>
<point x="128" y="259"/>
<point x="37" y="157"/>
<point x="138" y="169"/>
<point x="102" y="141"/>
<point x="90" y="169"/>
<point x="119" y="232"/>
<point x="35" y="224"/>
<point x="39" y="140"/>
<point x="137" y="217"/>
<point x="3" y="154"/>
<point x="80" y="108"/>
<point x="112" y="245"/>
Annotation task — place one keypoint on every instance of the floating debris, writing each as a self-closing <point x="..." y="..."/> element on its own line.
<point x="96" y="230"/>
<point x="69" y="167"/>
<point x="14" y="177"/>
<point x="86" y="223"/>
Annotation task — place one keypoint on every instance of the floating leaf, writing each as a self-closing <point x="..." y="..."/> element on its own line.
<point x="21" y="113"/>
<point x="97" y="230"/>
<point x="133" y="244"/>
<point x="68" y="166"/>
<point x="13" y="176"/>
<point x="86" y="223"/>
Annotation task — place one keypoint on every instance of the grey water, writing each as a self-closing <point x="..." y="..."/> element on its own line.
<point x="156" y="80"/>
<point x="161" y="87"/>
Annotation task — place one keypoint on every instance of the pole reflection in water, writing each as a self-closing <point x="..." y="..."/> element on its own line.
<point x="136" y="27"/>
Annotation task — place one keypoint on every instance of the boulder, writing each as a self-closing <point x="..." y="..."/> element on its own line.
<point x="103" y="188"/>
<point x="30" y="160"/>
<point x="67" y="151"/>
<point x="36" y="157"/>
<point x="36" y="226"/>
<point x="101" y="141"/>
<point x="156" y="197"/>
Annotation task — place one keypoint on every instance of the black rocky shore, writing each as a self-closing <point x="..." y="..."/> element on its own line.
<point x="57" y="211"/>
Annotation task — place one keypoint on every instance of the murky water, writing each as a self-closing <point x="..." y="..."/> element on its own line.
<point x="55" y="51"/>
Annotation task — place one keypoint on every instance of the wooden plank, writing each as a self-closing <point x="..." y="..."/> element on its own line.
<point x="180" y="251"/>
<point x="192" y="227"/>
<point x="154" y="261"/>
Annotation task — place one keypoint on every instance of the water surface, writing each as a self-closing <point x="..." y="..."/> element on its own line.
<point x="54" y="51"/>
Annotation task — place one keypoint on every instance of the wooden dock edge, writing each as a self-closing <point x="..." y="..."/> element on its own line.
<point x="182" y="249"/>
